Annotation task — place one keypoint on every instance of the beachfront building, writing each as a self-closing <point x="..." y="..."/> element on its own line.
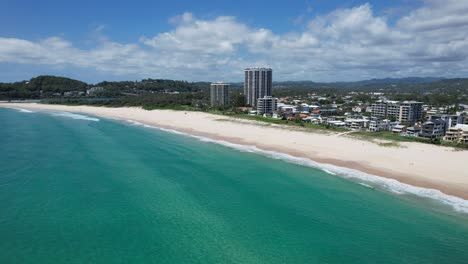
<point x="433" y="129"/>
<point x="377" y="125"/>
<point x="457" y="134"/>
<point x="257" y="84"/>
<point x="450" y="120"/>
<point x="399" y="129"/>
<point x="336" y="123"/>
<point x="219" y="94"/>
<point x="410" y="111"/>
<point x="285" y="108"/>
<point x="413" y="131"/>
<point x="407" y="111"/>
<point x="267" y="105"/>
<point x="356" y="123"/>
<point x="385" y="109"/>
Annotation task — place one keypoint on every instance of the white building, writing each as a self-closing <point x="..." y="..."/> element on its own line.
<point x="398" y="129"/>
<point x="357" y="109"/>
<point x="267" y="105"/>
<point x="219" y="94"/>
<point x="356" y="123"/>
<point x="377" y="125"/>
<point x="94" y="90"/>
<point x="407" y="111"/>
<point x="257" y="84"/>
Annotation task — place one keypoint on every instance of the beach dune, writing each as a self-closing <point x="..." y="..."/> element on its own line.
<point x="422" y="165"/>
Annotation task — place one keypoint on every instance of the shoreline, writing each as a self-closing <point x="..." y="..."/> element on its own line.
<point x="318" y="147"/>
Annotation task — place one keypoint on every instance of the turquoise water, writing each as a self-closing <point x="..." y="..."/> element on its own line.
<point x="100" y="191"/>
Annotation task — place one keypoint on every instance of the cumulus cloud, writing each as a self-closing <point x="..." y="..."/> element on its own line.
<point x="346" y="44"/>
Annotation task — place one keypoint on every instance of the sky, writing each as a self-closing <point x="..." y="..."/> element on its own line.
<point x="317" y="40"/>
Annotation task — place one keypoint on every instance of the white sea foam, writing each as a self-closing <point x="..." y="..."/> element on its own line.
<point x="368" y="180"/>
<point x="24" y="110"/>
<point x="366" y="185"/>
<point x="75" y="116"/>
<point x="330" y="172"/>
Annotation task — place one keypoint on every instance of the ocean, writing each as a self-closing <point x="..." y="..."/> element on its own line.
<point x="76" y="188"/>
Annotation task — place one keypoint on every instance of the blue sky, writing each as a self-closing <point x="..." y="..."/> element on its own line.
<point x="214" y="40"/>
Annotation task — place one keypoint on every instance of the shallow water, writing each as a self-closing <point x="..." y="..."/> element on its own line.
<point x="77" y="188"/>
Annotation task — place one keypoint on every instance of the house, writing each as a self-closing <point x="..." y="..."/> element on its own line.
<point x="376" y="125"/>
<point x="398" y="129"/>
<point x="356" y="123"/>
<point x="357" y="109"/>
<point x="287" y="108"/>
<point x="336" y="123"/>
<point x="94" y="90"/>
<point x="327" y="112"/>
<point x="413" y="131"/>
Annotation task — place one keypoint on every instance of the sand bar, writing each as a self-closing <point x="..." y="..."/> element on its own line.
<point x="422" y="165"/>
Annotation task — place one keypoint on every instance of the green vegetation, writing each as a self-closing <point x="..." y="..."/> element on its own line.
<point x="387" y="135"/>
<point x="40" y="87"/>
<point x="296" y="123"/>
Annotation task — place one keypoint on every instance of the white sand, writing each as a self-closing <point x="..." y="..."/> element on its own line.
<point x="418" y="164"/>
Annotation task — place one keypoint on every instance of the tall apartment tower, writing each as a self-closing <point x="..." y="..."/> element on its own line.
<point x="257" y="84"/>
<point x="410" y="111"/>
<point x="219" y="94"/>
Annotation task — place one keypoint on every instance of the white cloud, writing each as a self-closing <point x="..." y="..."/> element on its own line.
<point x="346" y="44"/>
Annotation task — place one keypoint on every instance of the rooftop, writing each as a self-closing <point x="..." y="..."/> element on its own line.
<point x="257" y="68"/>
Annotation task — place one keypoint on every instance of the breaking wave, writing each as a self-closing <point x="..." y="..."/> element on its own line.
<point x="24" y="110"/>
<point x="75" y="116"/>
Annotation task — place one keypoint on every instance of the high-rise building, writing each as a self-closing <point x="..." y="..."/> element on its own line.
<point x="410" y="111"/>
<point x="267" y="105"/>
<point x="219" y="94"/>
<point x="257" y="84"/>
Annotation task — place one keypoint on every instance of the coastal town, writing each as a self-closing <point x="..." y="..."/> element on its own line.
<point x="431" y="111"/>
<point x="404" y="118"/>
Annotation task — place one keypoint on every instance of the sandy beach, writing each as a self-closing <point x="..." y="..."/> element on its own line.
<point x="417" y="164"/>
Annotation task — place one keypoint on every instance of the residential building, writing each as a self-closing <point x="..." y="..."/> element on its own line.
<point x="287" y="108"/>
<point x="457" y="134"/>
<point x="398" y="129"/>
<point x="386" y="109"/>
<point x="450" y="120"/>
<point x="267" y="105"/>
<point x="410" y="111"/>
<point x="326" y="112"/>
<point x="413" y="131"/>
<point x="257" y="84"/>
<point x="336" y="123"/>
<point x="356" y="123"/>
<point x="433" y="128"/>
<point x="357" y="109"/>
<point x="219" y="94"/>
<point x="376" y="125"/>
<point x="407" y="111"/>
<point x="94" y="90"/>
